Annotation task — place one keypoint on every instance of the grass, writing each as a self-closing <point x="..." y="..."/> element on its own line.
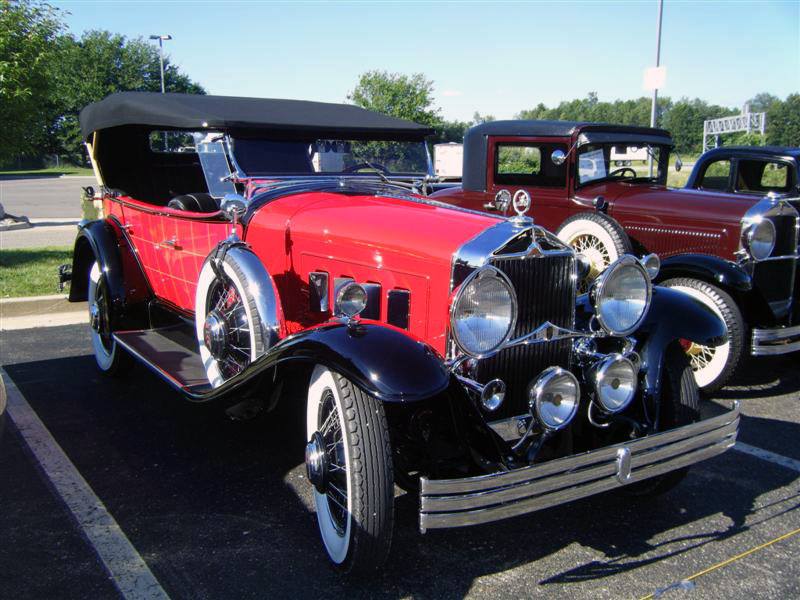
<point x="52" y="171"/>
<point x="31" y="271"/>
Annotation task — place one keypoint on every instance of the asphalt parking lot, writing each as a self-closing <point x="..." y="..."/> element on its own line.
<point x="218" y="509"/>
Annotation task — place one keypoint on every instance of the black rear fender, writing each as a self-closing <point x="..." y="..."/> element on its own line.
<point x="712" y="269"/>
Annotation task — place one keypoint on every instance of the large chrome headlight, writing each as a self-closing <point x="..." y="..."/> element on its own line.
<point x="759" y="239"/>
<point x="483" y="312"/>
<point x="622" y="296"/>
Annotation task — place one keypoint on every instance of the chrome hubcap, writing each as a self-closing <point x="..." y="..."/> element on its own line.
<point x="215" y="335"/>
<point x="317" y="462"/>
<point x="95" y="317"/>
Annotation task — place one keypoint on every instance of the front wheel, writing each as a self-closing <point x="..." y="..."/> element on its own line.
<point x="713" y="366"/>
<point x="349" y="463"/>
<point x="599" y="238"/>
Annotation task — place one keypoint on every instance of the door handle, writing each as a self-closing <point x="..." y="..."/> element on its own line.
<point x="170" y="243"/>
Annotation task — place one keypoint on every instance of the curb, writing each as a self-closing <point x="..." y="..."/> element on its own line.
<point x="37" y="306"/>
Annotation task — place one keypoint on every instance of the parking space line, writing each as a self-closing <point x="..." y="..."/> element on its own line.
<point x="778" y="459"/>
<point x="128" y="570"/>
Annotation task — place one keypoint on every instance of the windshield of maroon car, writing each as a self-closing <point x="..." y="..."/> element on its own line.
<point x="621" y="161"/>
<point x="257" y="157"/>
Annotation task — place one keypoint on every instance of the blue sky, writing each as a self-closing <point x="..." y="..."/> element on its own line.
<point x="493" y="57"/>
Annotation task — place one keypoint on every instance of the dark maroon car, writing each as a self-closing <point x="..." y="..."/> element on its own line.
<point x="603" y="189"/>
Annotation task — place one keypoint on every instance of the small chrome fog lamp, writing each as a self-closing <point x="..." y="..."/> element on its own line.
<point x="493" y="395"/>
<point x="615" y="383"/>
<point x="553" y="398"/>
<point x="351" y="300"/>
<point x="652" y="264"/>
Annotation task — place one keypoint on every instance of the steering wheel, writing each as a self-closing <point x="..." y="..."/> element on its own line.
<point x="620" y="172"/>
<point x="364" y="165"/>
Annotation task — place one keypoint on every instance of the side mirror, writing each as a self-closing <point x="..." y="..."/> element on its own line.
<point x="558" y="157"/>
<point x="678" y="164"/>
<point x="234" y="206"/>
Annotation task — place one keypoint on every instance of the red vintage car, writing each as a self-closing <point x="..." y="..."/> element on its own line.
<point x="602" y="189"/>
<point x="249" y="244"/>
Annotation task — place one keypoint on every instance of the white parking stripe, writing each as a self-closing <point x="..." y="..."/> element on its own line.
<point x="778" y="459"/>
<point x="128" y="570"/>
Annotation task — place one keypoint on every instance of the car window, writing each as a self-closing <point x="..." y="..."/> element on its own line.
<point x="760" y="176"/>
<point x="716" y="175"/>
<point x="528" y="164"/>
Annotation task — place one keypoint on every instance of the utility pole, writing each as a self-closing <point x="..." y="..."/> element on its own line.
<point x="162" y="38"/>
<point x="655" y="89"/>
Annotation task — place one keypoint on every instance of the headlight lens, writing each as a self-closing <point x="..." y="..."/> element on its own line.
<point x="622" y="296"/>
<point x="483" y="312"/>
<point x="760" y="239"/>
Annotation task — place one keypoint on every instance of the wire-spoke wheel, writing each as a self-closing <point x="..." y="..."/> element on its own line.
<point x="713" y="366"/>
<point x="349" y="463"/>
<point x="598" y="238"/>
<point x="227" y="322"/>
<point x="109" y="356"/>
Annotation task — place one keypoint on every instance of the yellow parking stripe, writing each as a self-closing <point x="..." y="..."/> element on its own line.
<point x="734" y="558"/>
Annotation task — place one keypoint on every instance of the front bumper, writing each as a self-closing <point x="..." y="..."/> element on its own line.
<point x="780" y="340"/>
<point x="486" y="498"/>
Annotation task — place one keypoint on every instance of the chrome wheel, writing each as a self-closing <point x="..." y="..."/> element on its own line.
<point x="334" y="481"/>
<point x="226" y="331"/>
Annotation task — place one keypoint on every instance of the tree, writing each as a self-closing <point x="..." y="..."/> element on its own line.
<point x="783" y="122"/>
<point x="685" y="122"/>
<point x="98" y="64"/>
<point x="28" y="34"/>
<point x="761" y="102"/>
<point x="397" y="95"/>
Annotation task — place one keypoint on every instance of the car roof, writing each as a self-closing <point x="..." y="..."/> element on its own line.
<point x="558" y="128"/>
<point x="763" y="150"/>
<point x="229" y="113"/>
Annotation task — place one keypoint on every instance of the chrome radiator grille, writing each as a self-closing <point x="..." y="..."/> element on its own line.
<point x="545" y="287"/>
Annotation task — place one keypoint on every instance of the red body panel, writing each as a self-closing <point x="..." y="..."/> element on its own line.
<point x="659" y="219"/>
<point x="400" y="245"/>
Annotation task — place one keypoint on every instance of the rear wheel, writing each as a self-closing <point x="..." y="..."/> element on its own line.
<point x="713" y="366"/>
<point x="110" y="357"/>
<point x="349" y="463"/>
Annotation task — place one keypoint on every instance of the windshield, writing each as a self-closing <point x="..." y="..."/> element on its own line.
<point x="621" y="161"/>
<point x="330" y="157"/>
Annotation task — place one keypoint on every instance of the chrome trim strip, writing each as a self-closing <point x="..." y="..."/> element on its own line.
<point x="778" y="333"/>
<point x="776" y="341"/>
<point x="469" y="501"/>
<point x="775" y="350"/>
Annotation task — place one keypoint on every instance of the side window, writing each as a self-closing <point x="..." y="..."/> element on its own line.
<point x="762" y="176"/>
<point x="527" y="164"/>
<point x="716" y="175"/>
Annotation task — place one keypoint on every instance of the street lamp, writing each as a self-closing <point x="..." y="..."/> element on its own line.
<point x="161" y="39"/>
<point x="655" y="88"/>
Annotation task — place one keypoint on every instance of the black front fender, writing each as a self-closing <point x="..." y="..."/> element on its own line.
<point x="713" y="269"/>
<point x="675" y="316"/>
<point x="385" y="361"/>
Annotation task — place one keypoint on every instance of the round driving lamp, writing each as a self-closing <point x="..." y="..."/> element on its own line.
<point x="351" y="300"/>
<point x="483" y="312"/>
<point x="651" y="264"/>
<point x="614" y="383"/>
<point x="553" y="398"/>
<point x="622" y="296"/>
<point x="760" y="239"/>
<point x="493" y="395"/>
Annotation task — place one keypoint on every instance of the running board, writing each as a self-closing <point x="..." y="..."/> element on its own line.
<point x="168" y="351"/>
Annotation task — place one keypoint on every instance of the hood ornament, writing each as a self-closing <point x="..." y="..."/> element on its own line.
<point x="521" y="202"/>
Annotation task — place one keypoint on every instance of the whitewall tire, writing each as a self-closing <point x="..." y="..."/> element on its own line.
<point x="349" y="462"/>
<point x="110" y="357"/>
<point x="227" y="322"/>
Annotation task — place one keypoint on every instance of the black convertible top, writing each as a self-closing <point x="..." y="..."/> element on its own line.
<point x="226" y="113"/>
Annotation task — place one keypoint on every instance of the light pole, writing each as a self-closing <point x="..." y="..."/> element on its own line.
<point x="161" y="39"/>
<point x="655" y="89"/>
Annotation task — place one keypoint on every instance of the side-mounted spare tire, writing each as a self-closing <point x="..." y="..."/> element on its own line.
<point x="237" y="313"/>
<point x="597" y="237"/>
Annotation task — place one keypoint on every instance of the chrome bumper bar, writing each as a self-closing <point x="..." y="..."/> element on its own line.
<point x="781" y="340"/>
<point x="486" y="498"/>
